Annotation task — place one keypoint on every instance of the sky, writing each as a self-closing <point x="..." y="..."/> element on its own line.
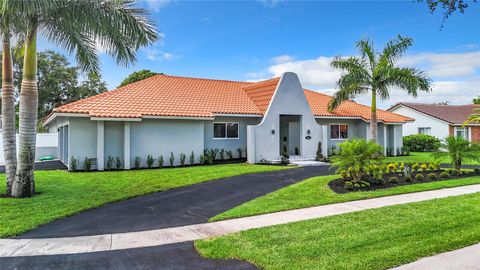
<point x="256" y="40"/>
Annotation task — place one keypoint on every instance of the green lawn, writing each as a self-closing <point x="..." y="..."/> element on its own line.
<point x="63" y="193"/>
<point x="371" y="239"/>
<point x="315" y="191"/>
<point x="423" y="157"/>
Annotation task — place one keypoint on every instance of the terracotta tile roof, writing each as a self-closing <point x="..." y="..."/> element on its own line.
<point x="453" y="114"/>
<point x="165" y="95"/>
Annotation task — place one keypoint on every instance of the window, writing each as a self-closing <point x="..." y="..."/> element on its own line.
<point x="425" y="130"/>
<point x="225" y="130"/>
<point x="339" y="132"/>
<point x="461" y="132"/>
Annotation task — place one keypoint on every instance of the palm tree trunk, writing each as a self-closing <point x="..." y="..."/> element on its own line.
<point x="8" y="114"/>
<point x="373" y="118"/>
<point x="24" y="185"/>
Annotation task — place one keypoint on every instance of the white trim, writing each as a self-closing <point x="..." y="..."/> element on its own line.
<point x="238" y="115"/>
<point x="227" y="138"/>
<point x="385" y="139"/>
<point x="339" y="139"/>
<point x="54" y="115"/>
<point x="359" y="118"/>
<point x="115" y="119"/>
<point x="432" y="117"/>
<point x="468" y="129"/>
<point x="177" y="117"/>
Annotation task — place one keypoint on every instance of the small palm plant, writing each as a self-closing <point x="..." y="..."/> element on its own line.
<point x="377" y="73"/>
<point x="458" y="150"/>
<point x="474" y="118"/>
<point x="356" y="156"/>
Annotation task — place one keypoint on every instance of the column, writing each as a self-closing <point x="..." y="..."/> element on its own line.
<point x="126" y="146"/>
<point x="100" y="145"/>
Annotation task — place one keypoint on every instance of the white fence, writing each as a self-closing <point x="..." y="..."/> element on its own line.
<point x="47" y="144"/>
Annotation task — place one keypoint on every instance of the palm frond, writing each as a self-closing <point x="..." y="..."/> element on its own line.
<point x="346" y="93"/>
<point x="409" y="79"/>
<point x="365" y="46"/>
<point x="395" y="48"/>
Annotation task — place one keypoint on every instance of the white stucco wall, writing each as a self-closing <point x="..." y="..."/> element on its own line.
<point x="356" y="129"/>
<point x="288" y="99"/>
<point x="228" y="143"/>
<point x="82" y="139"/>
<point x="160" y="137"/>
<point x="113" y="132"/>
<point x="439" y="128"/>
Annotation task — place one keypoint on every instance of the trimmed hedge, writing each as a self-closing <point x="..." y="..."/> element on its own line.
<point x="421" y="143"/>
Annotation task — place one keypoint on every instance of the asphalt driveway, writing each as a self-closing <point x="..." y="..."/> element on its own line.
<point x="177" y="207"/>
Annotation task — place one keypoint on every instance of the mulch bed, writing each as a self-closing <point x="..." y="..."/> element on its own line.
<point x="338" y="185"/>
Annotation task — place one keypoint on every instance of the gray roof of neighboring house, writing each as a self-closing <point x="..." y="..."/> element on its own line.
<point x="453" y="114"/>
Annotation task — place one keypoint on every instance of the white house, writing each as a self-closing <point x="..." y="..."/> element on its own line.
<point x="438" y="120"/>
<point x="169" y="114"/>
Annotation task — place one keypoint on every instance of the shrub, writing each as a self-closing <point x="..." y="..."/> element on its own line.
<point x="137" y="162"/>
<point x="476" y="171"/>
<point x="192" y="158"/>
<point x="444" y="175"/>
<point x="239" y="151"/>
<point x="401" y="167"/>
<point x="432" y="176"/>
<point x="118" y="163"/>
<point x="391" y="167"/>
<point x="419" y="177"/>
<point x="209" y="156"/>
<point x="202" y="159"/>
<point x="348" y="185"/>
<point x="364" y="184"/>
<point x="357" y="155"/>
<point x="222" y="154"/>
<point x="215" y="153"/>
<point x="297" y="152"/>
<point x="183" y="157"/>
<point x="285" y="152"/>
<point x="150" y="161"/>
<point x="408" y="178"/>
<point x="415" y="167"/>
<point x="73" y="164"/>
<point x="110" y="162"/>
<point x="344" y="174"/>
<point x="160" y="161"/>
<point x="319" y="155"/>
<point x="393" y="180"/>
<point x="229" y="154"/>
<point x="87" y="164"/>
<point x="407" y="171"/>
<point x="172" y="159"/>
<point x="424" y="167"/>
<point x="458" y="149"/>
<point x="421" y="143"/>
<point x="376" y="171"/>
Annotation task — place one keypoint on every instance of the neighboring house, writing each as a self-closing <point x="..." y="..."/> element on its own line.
<point x="438" y="120"/>
<point x="168" y="114"/>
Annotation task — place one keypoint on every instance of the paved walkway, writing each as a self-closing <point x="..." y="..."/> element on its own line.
<point x="166" y="236"/>
<point x="462" y="259"/>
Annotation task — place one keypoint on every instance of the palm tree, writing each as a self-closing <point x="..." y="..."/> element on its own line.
<point x="377" y="73"/>
<point x="8" y="107"/>
<point x="458" y="149"/>
<point x="79" y="26"/>
<point x="474" y="117"/>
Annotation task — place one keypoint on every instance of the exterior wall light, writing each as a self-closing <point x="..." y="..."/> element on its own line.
<point x="273" y="131"/>
<point x="308" y="131"/>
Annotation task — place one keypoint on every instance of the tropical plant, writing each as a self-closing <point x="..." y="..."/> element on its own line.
<point x="183" y="157"/>
<point x="424" y="167"/>
<point x="87" y="164"/>
<point x="73" y="164"/>
<point x="431" y="176"/>
<point x="150" y="161"/>
<point x="419" y="177"/>
<point x="192" y="158"/>
<point x="318" y="154"/>
<point x="110" y="162"/>
<point x="160" y="161"/>
<point x="444" y="175"/>
<point x="240" y="151"/>
<point x="118" y="163"/>
<point x="421" y="143"/>
<point x="137" y="162"/>
<point x="458" y="150"/>
<point x="377" y="73"/>
<point x="222" y="154"/>
<point x="357" y="156"/>
<point x="474" y="118"/>
<point x="171" y="159"/>
<point x="229" y="154"/>
<point x="118" y="26"/>
<point x="285" y="152"/>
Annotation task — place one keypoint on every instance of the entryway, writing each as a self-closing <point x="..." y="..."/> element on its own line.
<point x="290" y="134"/>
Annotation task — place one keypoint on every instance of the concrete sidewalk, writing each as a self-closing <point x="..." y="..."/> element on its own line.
<point x="462" y="259"/>
<point x="159" y="237"/>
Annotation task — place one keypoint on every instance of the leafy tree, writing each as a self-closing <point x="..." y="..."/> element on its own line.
<point x="476" y="100"/>
<point x="138" y="76"/>
<point x="448" y="6"/>
<point x="458" y="150"/>
<point x="377" y="73"/>
<point x="356" y="156"/>
<point x="118" y="26"/>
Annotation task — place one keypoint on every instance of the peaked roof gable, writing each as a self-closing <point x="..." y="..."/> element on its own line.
<point x="175" y="96"/>
<point x="453" y="114"/>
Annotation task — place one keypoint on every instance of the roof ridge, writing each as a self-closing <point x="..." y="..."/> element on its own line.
<point x="204" y="79"/>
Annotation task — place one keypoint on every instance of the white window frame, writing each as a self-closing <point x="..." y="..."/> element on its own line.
<point x="465" y="129"/>
<point x="429" y="128"/>
<point x="226" y="138"/>
<point x="339" y="139"/>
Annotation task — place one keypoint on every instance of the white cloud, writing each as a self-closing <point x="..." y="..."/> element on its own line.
<point x="456" y="76"/>
<point x="281" y="59"/>
<point x="269" y="3"/>
<point x="157" y="5"/>
<point x="155" y="54"/>
<point x="445" y="64"/>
